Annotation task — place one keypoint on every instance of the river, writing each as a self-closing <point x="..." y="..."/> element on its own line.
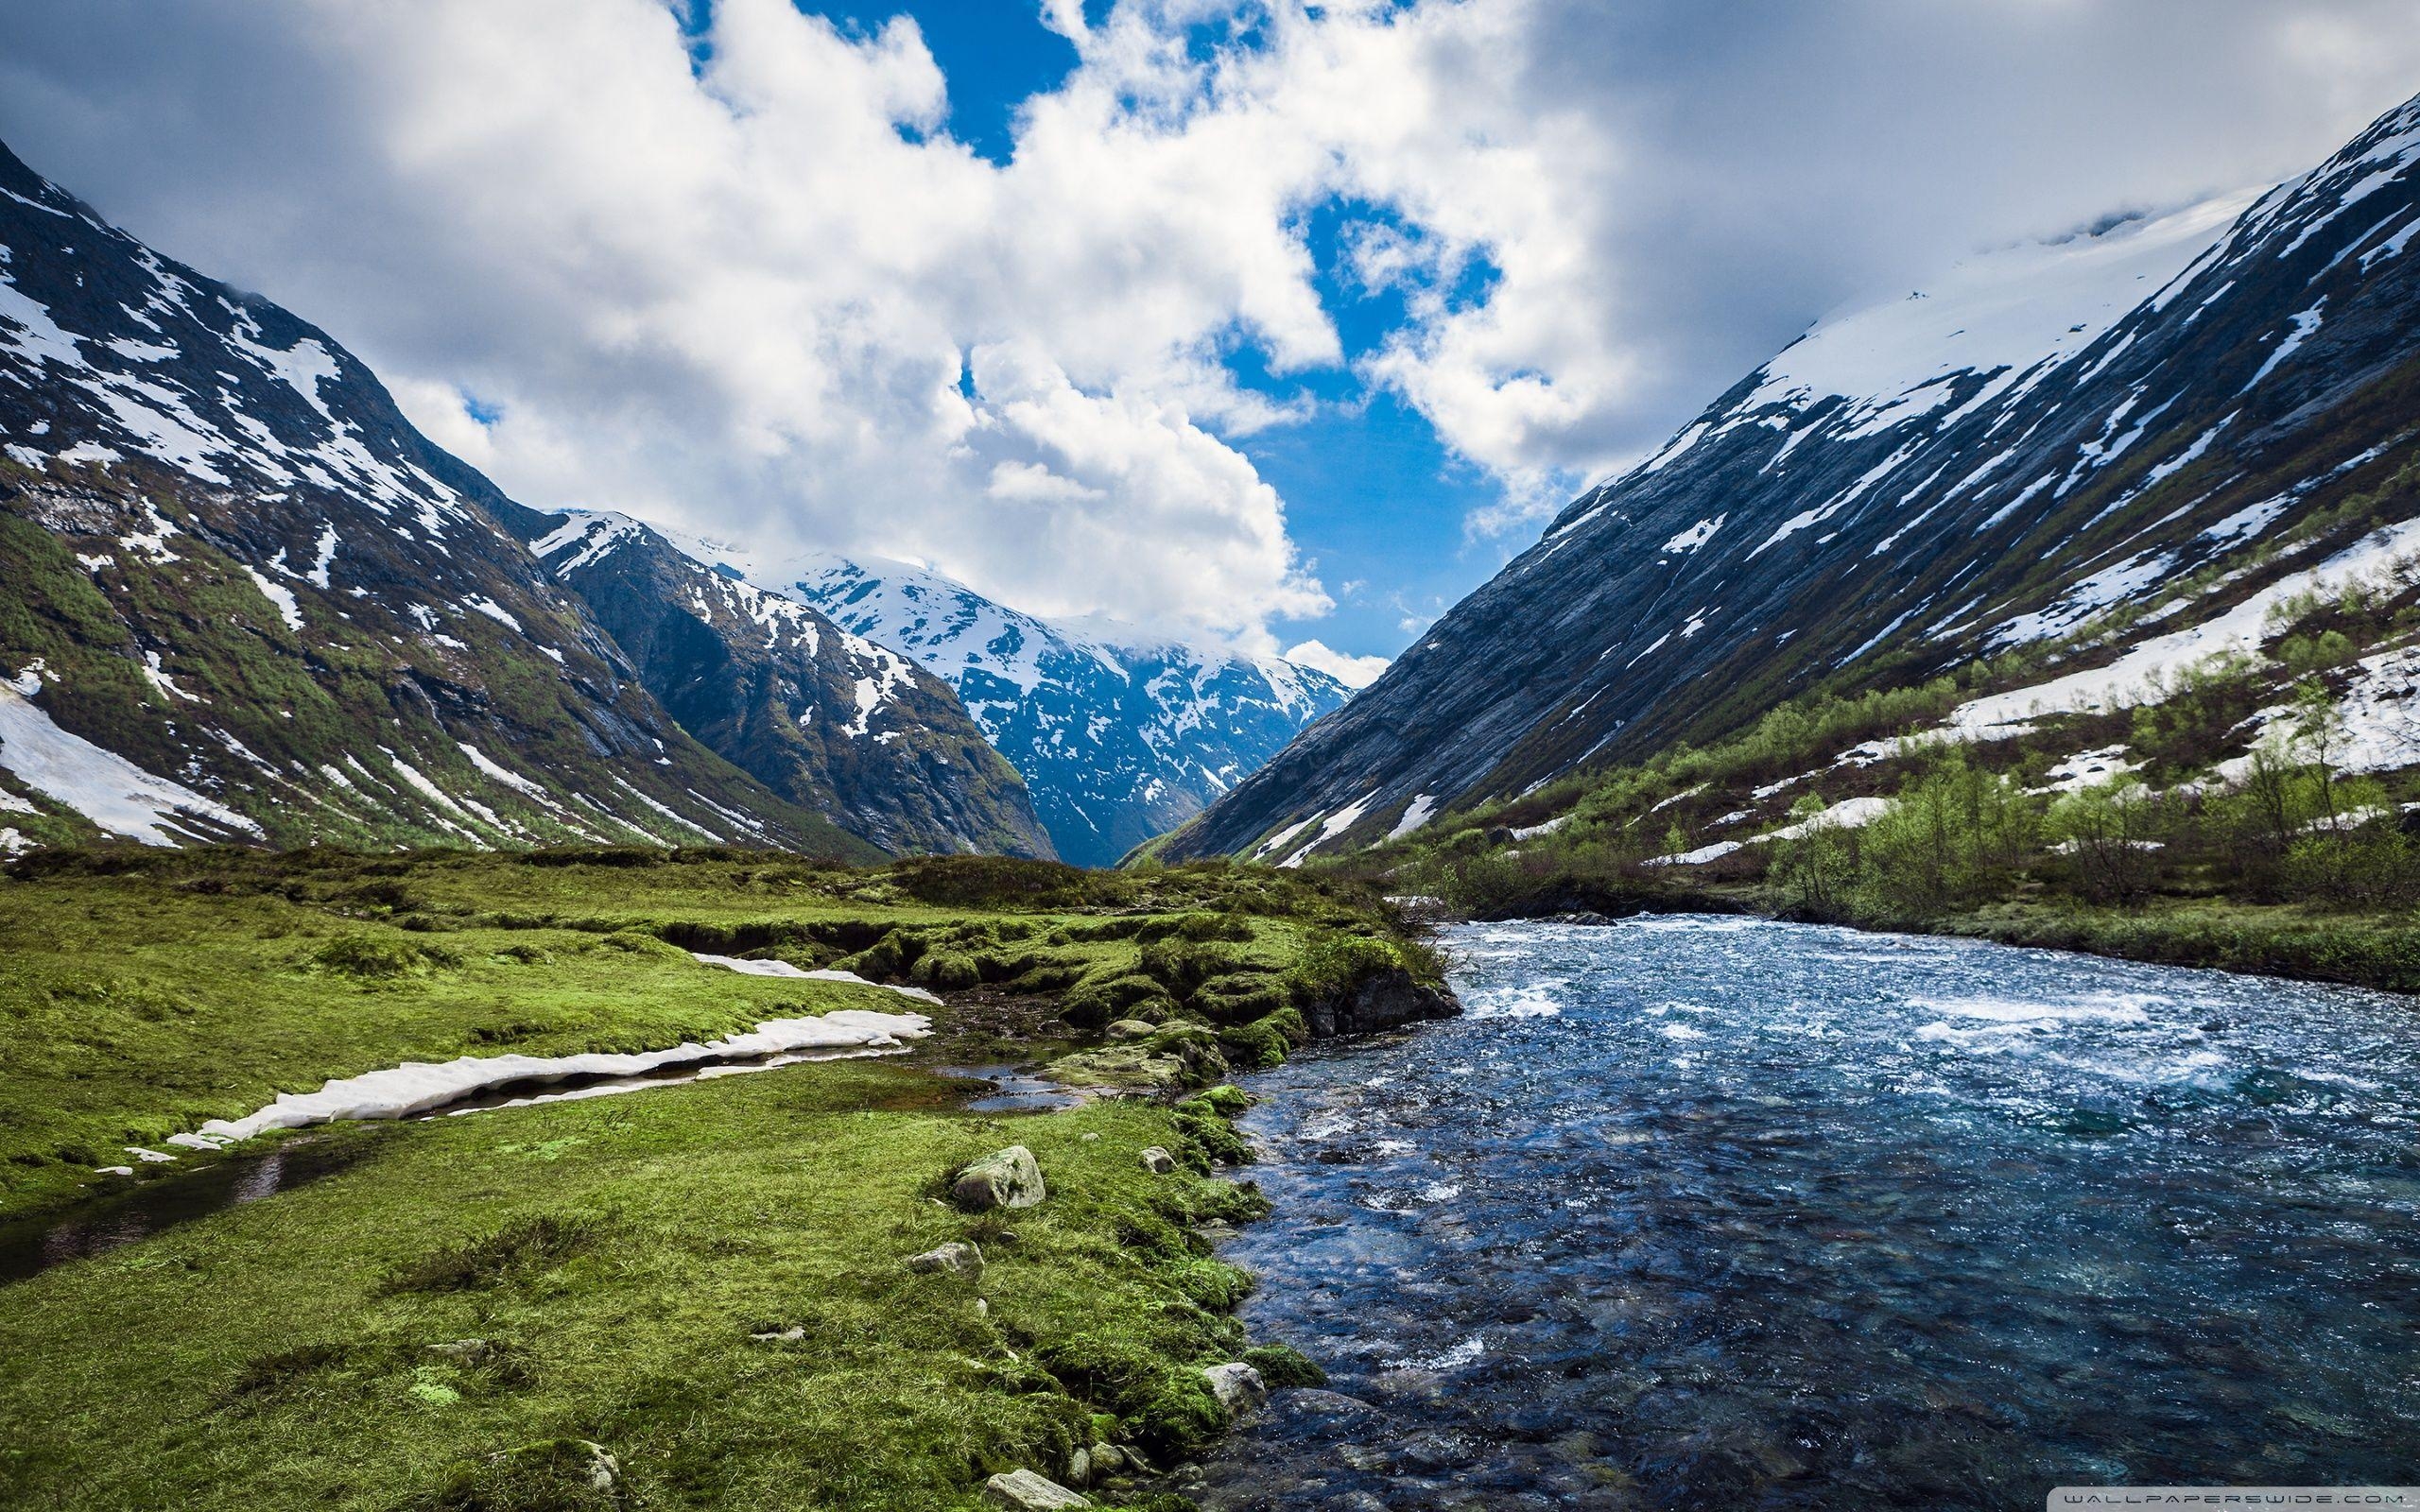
<point x="1698" y="1213"/>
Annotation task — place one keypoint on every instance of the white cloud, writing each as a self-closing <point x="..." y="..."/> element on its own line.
<point x="1353" y="671"/>
<point x="755" y="287"/>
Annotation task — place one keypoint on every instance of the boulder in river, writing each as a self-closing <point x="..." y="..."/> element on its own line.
<point x="1385" y="999"/>
<point x="1025" y="1491"/>
<point x="1004" y="1178"/>
<point x="1238" y="1387"/>
<point x="957" y="1257"/>
<point x="1158" y="1160"/>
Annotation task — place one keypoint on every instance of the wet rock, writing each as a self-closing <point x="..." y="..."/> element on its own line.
<point x="1388" y="1000"/>
<point x="1025" y="1491"/>
<point x="957" y="1257"/>
<point x="1238" y="1386"/>
<point x="1005" y="1178"/>
<point x="1158" y="1162"/>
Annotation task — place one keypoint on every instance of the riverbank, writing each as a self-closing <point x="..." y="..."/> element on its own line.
<point x="2380" y="951"/>
<point x="707" y="1280"/>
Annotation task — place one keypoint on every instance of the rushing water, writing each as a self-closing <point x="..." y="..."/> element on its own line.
<point x="1696" y="1213"/>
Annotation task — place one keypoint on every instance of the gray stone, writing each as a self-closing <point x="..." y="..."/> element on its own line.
<point x="1238" y="1386"/>
<point x="957" y="1257"/>
<point x="463" y="1351"/>
<point x="1005" y="1178"/>
<point x="1133" y="1029"/>
<point x="1025" y="1491"/>
<point x="1079" y="1467"/>
<point x="1158" y="1162"/>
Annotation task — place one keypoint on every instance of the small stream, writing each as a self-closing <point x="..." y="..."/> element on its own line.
<point x="210" y="1183"/>
<point x="1696" y="1213"/>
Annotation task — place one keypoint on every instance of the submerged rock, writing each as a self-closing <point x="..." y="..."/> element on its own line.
<point x="1158" y="1160"/>
<point x="957" y="1257"/>
<point x="1026" y="1492"/>
<point x="1005" y="1178"/>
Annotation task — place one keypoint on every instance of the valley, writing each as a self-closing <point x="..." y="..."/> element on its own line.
<point x="704" y="1280"/>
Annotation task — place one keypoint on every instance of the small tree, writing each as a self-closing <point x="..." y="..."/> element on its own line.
<point x="1815" y="867"/>
<point x="2112" y="830"/>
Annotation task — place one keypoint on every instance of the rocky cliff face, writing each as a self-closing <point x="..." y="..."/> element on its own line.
<point x="828" y="720"/>
<point x="2045" y="436"/>
<point x="1120" y="736"/>
<point x="241" y="598"/>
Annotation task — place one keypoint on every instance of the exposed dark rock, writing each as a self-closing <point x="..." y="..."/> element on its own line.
<point x="1388" y="1000"/>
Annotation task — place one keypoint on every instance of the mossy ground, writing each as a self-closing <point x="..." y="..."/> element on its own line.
<point x="616" y="1256"/>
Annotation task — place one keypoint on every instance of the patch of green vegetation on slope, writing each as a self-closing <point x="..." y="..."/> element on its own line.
<point x="2213" y="823"/>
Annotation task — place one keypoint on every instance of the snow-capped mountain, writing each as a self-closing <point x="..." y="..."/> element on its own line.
<point x="2126" y="419"/>
<point x="829" y="720"/>
<point x="1121" y="736"/>
<point x="241" y="598"/>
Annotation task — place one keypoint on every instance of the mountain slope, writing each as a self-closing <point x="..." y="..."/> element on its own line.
<point x="1121" y="736"/>
<point x="828" y="720"/>
<point x="246" y="599"/>
<point x="2056" y="435"/>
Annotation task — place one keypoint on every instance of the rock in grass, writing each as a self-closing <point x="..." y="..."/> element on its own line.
<point x="956" y="1257"/>
<point x="1158" y="1162"/>
<point x="1238" y="1387"/>
<point x="463" y="1351"/>
<point x="1027" y="1492"/>
<point x="1005" y="1178"/>
<point x="1079" y="1467"/>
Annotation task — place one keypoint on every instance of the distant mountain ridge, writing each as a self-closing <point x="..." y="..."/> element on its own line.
<point x="2049" y="435"/>
<point x="245" y="599"/>
<point x="1120" y="735"/>
<point x="820" y="715"/>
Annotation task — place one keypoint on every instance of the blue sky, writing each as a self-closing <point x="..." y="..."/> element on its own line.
<point x="1375" y="502"/>
<point x="1257" y="320"/>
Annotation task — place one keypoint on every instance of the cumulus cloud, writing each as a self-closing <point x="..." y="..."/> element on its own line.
<point x="742" y="277"/>
<point x="1353" y="671"/>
